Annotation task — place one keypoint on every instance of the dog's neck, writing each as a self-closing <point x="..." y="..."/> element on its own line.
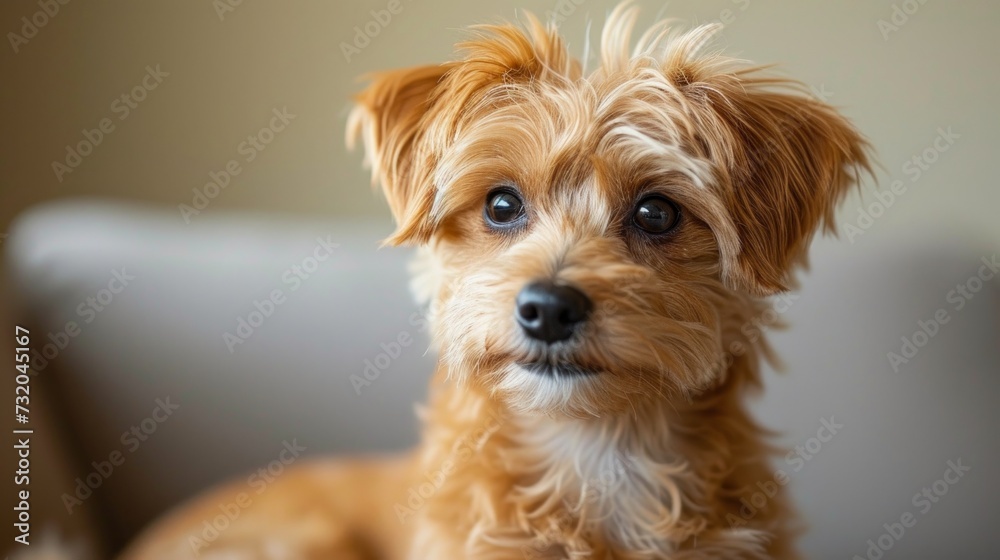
<point x="610" y="476"/>
<point x="635" y="482"/>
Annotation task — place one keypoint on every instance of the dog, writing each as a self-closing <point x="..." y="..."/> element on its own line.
<point x="592" y="245"/>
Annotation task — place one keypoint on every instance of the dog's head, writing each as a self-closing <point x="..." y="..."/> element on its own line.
<point x="594" y="239"/>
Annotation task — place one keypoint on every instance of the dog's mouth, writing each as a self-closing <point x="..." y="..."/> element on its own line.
<point x="558" y="369"/>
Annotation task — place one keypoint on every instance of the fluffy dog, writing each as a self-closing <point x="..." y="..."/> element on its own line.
<point x="593" y="246"/>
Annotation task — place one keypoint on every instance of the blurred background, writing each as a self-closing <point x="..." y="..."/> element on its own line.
<point x="170" y="169"/>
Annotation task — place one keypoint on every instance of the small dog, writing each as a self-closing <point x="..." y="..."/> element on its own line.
<point x="593" y="246"/>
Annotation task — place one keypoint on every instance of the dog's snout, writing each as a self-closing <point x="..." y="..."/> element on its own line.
<point x="550" y="312"/>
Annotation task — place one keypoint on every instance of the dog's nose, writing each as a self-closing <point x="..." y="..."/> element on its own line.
<point x="549" y="312"/>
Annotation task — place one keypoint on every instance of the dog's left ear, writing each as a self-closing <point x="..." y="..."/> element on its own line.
<point x="790" y="159"/>
<point x="390" y="118"/>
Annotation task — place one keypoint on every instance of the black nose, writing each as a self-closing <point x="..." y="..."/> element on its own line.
<point x="549" y="312"/>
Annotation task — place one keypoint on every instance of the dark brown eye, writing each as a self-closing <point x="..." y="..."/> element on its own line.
<point x="656" y="215"/>
<point x="504" y="208"/>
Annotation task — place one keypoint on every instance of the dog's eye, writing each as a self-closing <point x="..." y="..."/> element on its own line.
<point x="656" y="215"/>
<point x="504" y="208"/>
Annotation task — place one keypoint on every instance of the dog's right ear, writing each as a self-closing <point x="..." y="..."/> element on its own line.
<point x="390" y="118"/>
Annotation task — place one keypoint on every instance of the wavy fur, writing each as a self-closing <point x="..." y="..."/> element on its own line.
<point x="651" y="457"/>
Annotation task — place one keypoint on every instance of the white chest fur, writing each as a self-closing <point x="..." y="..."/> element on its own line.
<point x="598" y="478"/>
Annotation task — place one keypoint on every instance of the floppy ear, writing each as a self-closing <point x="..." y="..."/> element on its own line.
<point x="390" y="118"/>
<point x="408" y="117"/>
<point x="790" y="159"/>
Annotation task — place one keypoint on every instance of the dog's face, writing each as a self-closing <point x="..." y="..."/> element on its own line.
<point x="594" y="242"/>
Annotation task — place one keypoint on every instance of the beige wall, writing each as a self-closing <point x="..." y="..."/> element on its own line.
<point x="225" y="77"/>
<point x="938" y="70"/>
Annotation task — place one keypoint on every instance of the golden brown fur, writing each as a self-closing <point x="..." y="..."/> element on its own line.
<point x="651" y="457"/>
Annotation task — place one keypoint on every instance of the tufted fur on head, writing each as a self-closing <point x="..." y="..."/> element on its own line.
<point x="782" y="160"/>
<point x="755" y="167"/>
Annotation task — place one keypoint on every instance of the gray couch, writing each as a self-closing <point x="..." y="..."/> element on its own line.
<point x="155" y="357"/>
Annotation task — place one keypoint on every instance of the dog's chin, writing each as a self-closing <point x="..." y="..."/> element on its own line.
<point x="552" y="388"/>
<point x="557" y="370"/>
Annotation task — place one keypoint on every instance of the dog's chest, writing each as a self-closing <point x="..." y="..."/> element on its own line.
<point x="589" y="489"/>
